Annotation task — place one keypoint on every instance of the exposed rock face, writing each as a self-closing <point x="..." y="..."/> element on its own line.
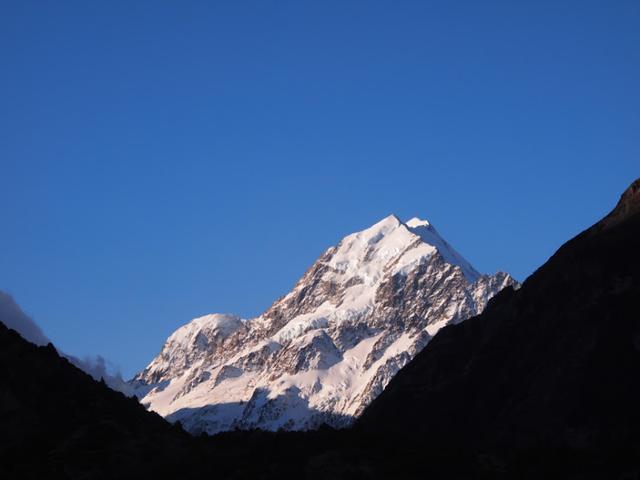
<point x="324" y="351"/>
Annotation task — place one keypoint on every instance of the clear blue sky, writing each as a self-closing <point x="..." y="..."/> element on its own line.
<point x="163" y="160"/>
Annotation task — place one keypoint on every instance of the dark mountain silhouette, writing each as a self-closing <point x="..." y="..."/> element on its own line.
<point x="543" y="384"/>
<point x="55" y="420"/>
<point x="555" y="364"/>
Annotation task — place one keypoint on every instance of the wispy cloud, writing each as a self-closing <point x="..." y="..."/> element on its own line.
<point x="100" y="368"/>
<point x="14" y="317"/>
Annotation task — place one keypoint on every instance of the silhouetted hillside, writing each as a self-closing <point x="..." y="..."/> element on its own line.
<point x="555" y="364"/>
<point x="55" y="419"/>
<point x="543" y="384"/>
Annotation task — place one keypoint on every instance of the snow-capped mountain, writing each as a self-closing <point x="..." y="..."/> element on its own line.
<point x="325" y="350"/>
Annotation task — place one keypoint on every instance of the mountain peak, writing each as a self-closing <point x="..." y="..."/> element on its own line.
<point x="634" y="190"/>
<point x="390" y="221"/>
<point x="629" y="202"/>
<point x="322" y="352"/>
<point x="429" y="235"/>
<point x="627" y="206"/>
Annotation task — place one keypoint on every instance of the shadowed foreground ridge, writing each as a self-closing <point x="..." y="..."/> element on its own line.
<point x="554" y="364"/>
<point x="543" y="384"/>
<point x="57" y="421"/>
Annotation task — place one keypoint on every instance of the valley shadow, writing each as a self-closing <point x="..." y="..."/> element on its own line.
<point x="285" y="412"/>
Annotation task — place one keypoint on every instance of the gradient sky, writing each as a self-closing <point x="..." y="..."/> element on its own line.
<point x="163" y="160"/>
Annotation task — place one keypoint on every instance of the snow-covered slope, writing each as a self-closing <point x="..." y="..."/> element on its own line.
<point x="322" y="352"/>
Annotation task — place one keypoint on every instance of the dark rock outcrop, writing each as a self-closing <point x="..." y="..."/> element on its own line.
<point x="554" y="364"/>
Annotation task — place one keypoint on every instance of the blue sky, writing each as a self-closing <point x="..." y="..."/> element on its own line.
<point x="163" y="160"/>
